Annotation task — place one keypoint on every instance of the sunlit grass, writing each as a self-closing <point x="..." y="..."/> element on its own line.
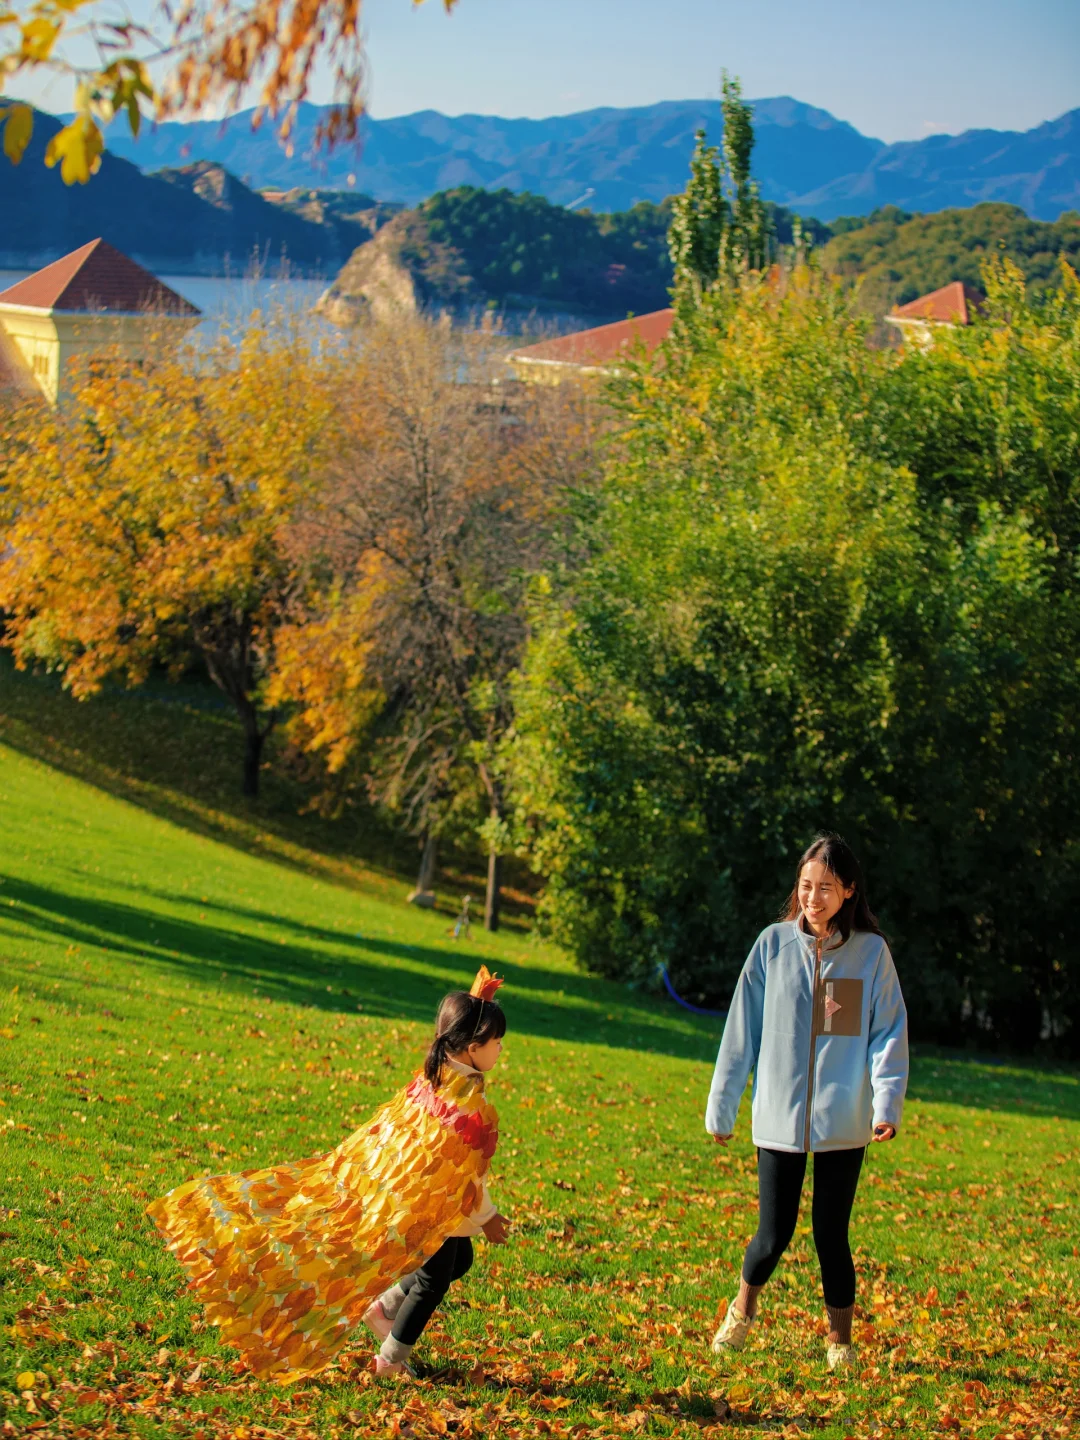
<point x="171" y="1003"/>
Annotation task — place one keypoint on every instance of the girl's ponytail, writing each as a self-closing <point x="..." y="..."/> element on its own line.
<point x="436" y="1058"/>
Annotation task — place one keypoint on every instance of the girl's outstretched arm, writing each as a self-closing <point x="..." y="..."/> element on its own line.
<point x="888" y="1045"/>
<point x="739" y="1046"/>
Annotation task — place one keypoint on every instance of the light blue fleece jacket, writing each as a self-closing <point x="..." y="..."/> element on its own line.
<point x="823" y="1026"/>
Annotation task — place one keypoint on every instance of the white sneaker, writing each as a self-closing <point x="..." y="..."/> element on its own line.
<point x="732" y="1333"/>
<point x="393" y="1369"/>
<point x="840" y="1356"/>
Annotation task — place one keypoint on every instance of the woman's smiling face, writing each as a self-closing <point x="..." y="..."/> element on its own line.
<point x="821" y="896"/>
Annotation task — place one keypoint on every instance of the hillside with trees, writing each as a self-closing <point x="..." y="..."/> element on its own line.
<point x="817" y="575"/>
<point x="472" y="248"/>
<point x="469" y="248"/>
<point x="895" y="256"/>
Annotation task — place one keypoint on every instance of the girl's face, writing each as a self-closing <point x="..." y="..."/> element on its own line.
<point x="485" y="1057"/>
<point x="821" y="896"/>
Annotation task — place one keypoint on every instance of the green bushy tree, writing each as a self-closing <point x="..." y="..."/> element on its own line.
<point x="794" y="615"/>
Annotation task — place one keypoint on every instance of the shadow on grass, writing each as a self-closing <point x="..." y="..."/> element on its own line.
<point x="174" y="750"/>
<point x="330" y="971"/>
<point x="1017" y="1084"/>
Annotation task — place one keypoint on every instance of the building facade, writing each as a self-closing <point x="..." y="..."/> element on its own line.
<point x="94" y="303"/>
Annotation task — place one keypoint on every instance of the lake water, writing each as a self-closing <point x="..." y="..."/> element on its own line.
<point x="226" y="301"/>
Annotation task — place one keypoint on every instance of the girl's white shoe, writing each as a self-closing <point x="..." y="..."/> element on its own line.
<point x="841" y="1356"/>
<point x="732" y="1333"/>
<point x="392" y="1368"/>
<point x="375" y="1318"/>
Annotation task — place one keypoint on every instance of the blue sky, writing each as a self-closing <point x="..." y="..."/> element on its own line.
<point x="894" y="70"/>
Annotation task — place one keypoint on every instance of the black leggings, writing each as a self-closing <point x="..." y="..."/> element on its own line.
<point x="425" y="1287"/>
<point x="780" y="1182"/>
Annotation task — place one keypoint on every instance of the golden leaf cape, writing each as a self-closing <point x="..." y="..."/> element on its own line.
<point x="286" y="1260"/>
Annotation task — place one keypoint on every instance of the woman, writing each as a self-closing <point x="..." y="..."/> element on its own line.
<point x="818" y="1016"/>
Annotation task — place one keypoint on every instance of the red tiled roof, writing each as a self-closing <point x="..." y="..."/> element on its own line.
<point x="951" y="305"/>
<point x="97" y="277"/>
<point x="601" y="345"/>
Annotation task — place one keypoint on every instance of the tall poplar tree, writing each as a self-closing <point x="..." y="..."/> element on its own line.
<point x="719" y="227"/>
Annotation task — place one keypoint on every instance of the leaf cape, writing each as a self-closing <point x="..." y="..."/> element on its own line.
<point x="286" y="1260"/>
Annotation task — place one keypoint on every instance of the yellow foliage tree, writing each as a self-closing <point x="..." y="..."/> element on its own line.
<point x="213" y="52"/>
<point x="323" y="675"/>
<point x="441" y="498"/>
<point x="151" y="519"/>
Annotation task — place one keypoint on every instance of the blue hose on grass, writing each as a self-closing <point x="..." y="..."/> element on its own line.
<point x="694" y="1009"/>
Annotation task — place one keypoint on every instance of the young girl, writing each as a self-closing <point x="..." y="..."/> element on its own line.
<point x="818" y="1016"/>
<point x="289" y="1260"/>
<point x="467" y="1044"/>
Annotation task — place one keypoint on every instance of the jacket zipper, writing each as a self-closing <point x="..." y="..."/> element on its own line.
<point x="813" y="1043"/>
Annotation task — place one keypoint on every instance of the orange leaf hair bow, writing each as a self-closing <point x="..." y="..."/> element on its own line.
<point x="485" y="984"/>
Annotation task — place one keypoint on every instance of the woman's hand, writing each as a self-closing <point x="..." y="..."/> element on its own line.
<point x="721" y="1139"/>
<point x="497" y="1229"/>
<point x="884" y="1132"/>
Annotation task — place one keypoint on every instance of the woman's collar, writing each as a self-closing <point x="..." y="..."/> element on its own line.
<point x="833" y="940"/>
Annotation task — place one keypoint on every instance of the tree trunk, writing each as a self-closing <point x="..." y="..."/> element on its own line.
<point x="253" y="746"/>
<point x="493" y="896"/>
<point x="227" y="653"/>
<point x="426" y="878"/>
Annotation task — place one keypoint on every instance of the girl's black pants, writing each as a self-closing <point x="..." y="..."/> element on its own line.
<point x="425" y="1287"/>
<point x="780" y="1183"/>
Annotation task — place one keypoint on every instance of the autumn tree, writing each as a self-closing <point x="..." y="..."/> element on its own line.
<point x="148" y="522"/>
<point x="441" y="504"/>
<point x="209" y="52"/>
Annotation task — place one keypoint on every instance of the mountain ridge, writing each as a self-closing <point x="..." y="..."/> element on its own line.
<point x="610" y="157"/>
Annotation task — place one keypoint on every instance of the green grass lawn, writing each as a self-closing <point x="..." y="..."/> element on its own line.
<point x="175" y="749"/>
<point x="176" y="996"/>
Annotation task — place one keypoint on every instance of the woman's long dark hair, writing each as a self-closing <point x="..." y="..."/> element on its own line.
<point x="833" y="851"/>
<point x="463" y="1020"/>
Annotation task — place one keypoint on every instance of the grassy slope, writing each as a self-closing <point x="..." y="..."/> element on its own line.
<point x="175" y="750"/>
<point x="170" y="1003"/>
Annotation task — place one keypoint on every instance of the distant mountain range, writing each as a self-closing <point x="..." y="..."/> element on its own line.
<point x="609" y="159"/>
<point x="191" y="214"/>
